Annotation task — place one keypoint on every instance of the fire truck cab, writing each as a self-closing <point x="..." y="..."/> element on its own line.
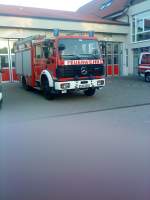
<point x="60" y="64"/>
<point x="144" y="66"/>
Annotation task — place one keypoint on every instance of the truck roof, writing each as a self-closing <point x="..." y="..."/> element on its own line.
<point x="77" y="37"/>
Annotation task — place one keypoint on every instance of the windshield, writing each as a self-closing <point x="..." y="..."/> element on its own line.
<point x="145" y="59"/>
<point x="79" y="49"/>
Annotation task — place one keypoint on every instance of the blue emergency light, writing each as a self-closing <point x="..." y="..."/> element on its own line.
<point x="91" y="33"/>
<point x="56" y="32"/>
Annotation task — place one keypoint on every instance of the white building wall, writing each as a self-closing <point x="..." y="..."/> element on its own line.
<point x="139" y="8"/>
<point x="47" y="24"/>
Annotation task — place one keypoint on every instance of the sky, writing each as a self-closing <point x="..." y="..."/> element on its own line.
<point x="68" y="5"/>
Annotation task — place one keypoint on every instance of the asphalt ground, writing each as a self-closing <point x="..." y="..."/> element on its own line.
<point x="20" y="105"/>
<point x="76" y="147"/>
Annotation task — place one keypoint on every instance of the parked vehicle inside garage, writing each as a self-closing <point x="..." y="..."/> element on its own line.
<point x="144" y="66"/>
<point x="1" y="94"/>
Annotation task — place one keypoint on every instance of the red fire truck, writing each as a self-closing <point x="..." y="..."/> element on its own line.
<point x="60" y="64"/>
<point x="144" y="66"/>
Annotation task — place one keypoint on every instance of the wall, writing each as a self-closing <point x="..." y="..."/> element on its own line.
<point x="47" y="24"/>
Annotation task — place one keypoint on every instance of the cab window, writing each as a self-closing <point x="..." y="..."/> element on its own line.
<point x="38" y="52"/>
<point x="145" y="59"/>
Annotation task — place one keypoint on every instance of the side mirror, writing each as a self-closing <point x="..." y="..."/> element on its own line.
<point x="61" y="47"/>
<point x="46" y="52"/>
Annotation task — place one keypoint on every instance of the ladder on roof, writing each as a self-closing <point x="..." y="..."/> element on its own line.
<point x="30" y="39"/>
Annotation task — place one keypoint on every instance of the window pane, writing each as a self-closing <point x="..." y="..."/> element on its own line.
<point x="133" y="26"/>
<point x="109" y="51"/>
<point x="143" y="36"/>
<point x="38" y="52"/>
<point x="105" y="4"/>
<point x="3" y="61"/>
<point x="116" y="59"/>
<point x="13" y="61"/>
<point x="145" y="49"/>
<point x="146" y="24"/>
<point x="109" y="59"/>
<point x="140" y="25"/>
<point x="11" y="45"/>
<point x="145" y="59"/>
<point x="102" y="47"/>
<point x="3" y="47"/>
<point x="116" y="48"/>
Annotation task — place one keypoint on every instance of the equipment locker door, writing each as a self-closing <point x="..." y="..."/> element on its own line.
<point x="39" y="61"/>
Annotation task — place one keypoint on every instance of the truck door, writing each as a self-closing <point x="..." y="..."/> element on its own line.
<point x="39" y="61"/>
<point x="51" y="58"/>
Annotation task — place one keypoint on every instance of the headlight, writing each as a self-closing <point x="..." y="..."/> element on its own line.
<point x="65" y="85"/>
<point x="100" y="82"/>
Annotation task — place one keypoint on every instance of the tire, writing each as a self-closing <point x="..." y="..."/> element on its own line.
<point x="1" y="102"/>
<point x="24" y="84"/>
<point x="90" y="92"/>
<point x="147" y="77"/>
<point x="47" y="91"/>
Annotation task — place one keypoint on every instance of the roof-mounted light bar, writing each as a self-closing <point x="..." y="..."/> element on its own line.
<point x="56" y="32"/>
<point x="91" y="33"/>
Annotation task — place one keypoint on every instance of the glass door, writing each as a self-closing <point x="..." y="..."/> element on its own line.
<point x="112" y="57"/>
<point x="4" y="65"/>
<point x="4" y="61"/>
<point x="12" y="61"/>
<point x="116" y="70"/>
<point x="7" y="60"/>
<point x="109" y="59"/>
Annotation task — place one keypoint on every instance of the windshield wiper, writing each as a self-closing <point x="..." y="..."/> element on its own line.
<point x="88" y="54"/>
<point x="72" y="55"/>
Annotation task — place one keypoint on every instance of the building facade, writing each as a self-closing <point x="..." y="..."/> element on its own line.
<point x="136" y="13"/>
<point x="114" y="25"/>
<point x="139" y="36"/>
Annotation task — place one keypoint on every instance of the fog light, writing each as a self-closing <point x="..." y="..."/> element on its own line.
<point x="100" y="82"/>
<point x="64" y="85"/>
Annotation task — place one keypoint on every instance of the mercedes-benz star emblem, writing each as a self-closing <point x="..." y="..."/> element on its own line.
<point x="84" y="70"/>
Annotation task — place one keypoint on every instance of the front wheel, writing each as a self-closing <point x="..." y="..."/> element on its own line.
<point x="1" y="101"/>
<point x="90" y="92"/>
<point x="147" y="77"/>
<point x="47" y="91"/>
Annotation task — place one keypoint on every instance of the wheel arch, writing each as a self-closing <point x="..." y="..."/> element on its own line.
<point x="47" y="74"/>
<point x="147" y="71"/>
<point x="147" y="75"/>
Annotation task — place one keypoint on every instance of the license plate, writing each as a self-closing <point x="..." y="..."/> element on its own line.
<point x="84" y="86"/>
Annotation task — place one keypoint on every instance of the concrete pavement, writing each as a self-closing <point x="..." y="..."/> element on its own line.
<point x="76" y="147"/>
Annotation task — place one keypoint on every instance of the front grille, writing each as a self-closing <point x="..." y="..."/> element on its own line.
<point x="75" y="71"/>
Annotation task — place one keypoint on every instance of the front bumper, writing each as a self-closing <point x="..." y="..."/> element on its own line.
<point x="80" y="84"/>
